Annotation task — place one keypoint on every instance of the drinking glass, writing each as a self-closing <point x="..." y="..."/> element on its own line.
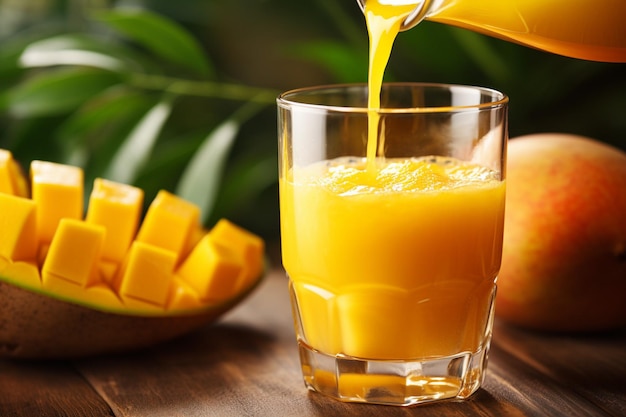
<point x="392" y="250"/>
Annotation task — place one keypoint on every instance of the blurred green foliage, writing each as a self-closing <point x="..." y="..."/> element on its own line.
<point x="180" y="95"/>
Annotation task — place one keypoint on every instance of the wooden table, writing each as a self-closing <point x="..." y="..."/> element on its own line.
<point x="247" y="365"/>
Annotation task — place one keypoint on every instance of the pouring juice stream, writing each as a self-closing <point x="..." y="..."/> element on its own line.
<point x="383" y="23"/>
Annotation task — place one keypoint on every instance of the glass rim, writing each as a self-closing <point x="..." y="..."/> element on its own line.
<point x="289" y="98"/>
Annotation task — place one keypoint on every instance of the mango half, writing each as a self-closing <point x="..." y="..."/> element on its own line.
<point x="77" y="282"/>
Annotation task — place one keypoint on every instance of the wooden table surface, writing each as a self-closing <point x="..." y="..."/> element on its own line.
<point x="247" y="365"/>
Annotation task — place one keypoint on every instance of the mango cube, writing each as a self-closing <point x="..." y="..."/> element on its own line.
<point x="6" y="181"/>
<point x="117" y="207"/>
<point x="74" y="254"/>
<point x="248" y="246"/>
<point x="170" y="224"/>
<point x="58" y="192"/>
<point x="18" y="228"/>
<point x="12" y="180"/>
<point x="146" y="274"/>
<point x="212" y="270"/>
<point x="182" y="296"/>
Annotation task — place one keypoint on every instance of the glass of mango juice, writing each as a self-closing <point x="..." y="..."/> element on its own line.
<point x="391" y="236"/>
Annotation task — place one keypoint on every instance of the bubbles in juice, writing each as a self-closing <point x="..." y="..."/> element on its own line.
<point x="350" y="176"/>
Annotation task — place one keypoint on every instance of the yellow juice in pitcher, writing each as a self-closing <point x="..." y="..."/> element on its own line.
<point x="592" y="30"/>
<point x="399" y="265"/>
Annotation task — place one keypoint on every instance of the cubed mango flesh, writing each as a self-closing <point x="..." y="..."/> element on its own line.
<point x="12" y="179"/>
<point x="170" y="223"/>
<point x="6" y="177"/>
<point x="24" y="273"/>
<point x="146" y="274"/>
<point x="42" y="252"/>
<point x="18" y="228"/>
<point x="108" y="271"/>
<point x="97" y="294"/>
<point x="117" y="207"/>
<point x="212" y="270"/>
<point x="58" y="192"/>
<point x="74" y="254"/>
<point x="109" y="259"/>
<point x="182" y="296"/>
<point x="248" y="246"/>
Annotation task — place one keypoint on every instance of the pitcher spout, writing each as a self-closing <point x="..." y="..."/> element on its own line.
<point x="416" y="16"/>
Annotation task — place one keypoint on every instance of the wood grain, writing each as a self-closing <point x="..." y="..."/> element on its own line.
<point x="47" y="389"/>
<point x="248" y="365"/>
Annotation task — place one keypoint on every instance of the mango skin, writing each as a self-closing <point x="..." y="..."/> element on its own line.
<point x="55" y="329"/>
<point x="564" y="256"/>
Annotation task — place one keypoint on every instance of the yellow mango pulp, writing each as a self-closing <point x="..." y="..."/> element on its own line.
<point x="182" y="296"/>
<point x="211" y="269"/>
<point x="18" y="228"/>
<point x="27" y="272"/>
<point x="74" y="253"/>
<point x="170" y="223"/>
<point x="117" y="207"/>
<point x="248" y="247"/>
<point x="58" y="192"/>
<point x="6" y="177"/>
<point x="108" y="258"/>
<point x="12" y="181"/>
<point x="146" y="273"/>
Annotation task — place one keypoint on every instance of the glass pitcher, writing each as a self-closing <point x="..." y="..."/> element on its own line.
<point x="585" y="29"/>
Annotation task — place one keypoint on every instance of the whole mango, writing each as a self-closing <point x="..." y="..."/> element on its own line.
<point x="564" y="254"/>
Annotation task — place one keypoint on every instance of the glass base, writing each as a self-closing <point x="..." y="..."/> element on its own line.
<point x="401" y="383"/>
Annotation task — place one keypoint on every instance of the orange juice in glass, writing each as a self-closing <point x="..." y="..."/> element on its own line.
<point x="392" y="258"/>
